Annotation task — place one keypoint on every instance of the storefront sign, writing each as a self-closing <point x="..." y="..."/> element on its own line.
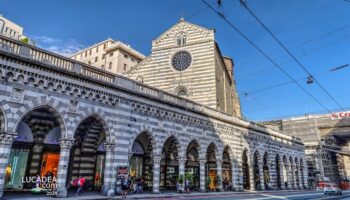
<point x="122" y="170"/>
<point x="340" y="115"/>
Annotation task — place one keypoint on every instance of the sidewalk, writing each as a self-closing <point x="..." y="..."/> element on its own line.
<point x="141" y="196"/>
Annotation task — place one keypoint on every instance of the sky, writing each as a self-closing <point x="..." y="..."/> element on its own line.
<point x="316" y="32"/>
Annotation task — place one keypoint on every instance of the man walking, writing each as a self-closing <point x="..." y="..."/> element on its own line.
<point x="80" y="185"/>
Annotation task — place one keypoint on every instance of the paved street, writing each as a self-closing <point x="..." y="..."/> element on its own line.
<point x="291" y="195"/>
<point x="273" y="195"/>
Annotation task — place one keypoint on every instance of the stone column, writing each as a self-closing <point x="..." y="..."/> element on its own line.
<point x="261" y="176"/>
<point x="299" y="177"/>
<point x="251" y="175"/>
<point x="63" y="167"/>
<point x="202" y="163"/>
<point x="305" y="173"/>
<point x="108" y="175"/>
<point x="295" y="185"/>
<point x="235" y="176"/>
<point x="219" y="174"/>
<point x="281" y="176"/>
<point x="5" y="149"/>
<point x="156" y="173"/>
<point x="289" y="175"/>
<point x="182" y="162"/>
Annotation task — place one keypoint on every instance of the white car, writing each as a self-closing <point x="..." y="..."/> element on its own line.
<point x="332" y="189"/>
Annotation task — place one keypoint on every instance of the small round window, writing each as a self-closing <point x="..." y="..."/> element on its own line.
<point x="181" y="60"/>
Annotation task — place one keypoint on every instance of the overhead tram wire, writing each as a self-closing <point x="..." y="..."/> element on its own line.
<point x="290" y="54"/>
<point x="290" y="82"/>
<point x="264" y="54"/>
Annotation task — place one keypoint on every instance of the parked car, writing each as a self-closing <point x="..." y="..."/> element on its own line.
<point x="332" y="189"/>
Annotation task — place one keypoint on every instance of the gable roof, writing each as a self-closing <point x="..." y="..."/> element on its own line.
<point x="181" y="21"/>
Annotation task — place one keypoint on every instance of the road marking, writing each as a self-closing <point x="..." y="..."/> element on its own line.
<point x="269" y="196"/>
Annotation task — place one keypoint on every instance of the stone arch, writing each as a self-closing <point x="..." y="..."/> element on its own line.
<point x="88" y="153"/>
<point x="100" y="119"/>
<point x="196" y="145"/>
<point x="151" y="139"/>
<point x="51" y="108"/>
<point x="177" y="143"/>
<point x="213" y="146"/>
<point x="230" y="152"/>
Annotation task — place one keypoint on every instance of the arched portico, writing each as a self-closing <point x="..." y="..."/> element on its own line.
<point x="213" y="168"/>
<point x="227" y="177"/>
<point x="257" y="171"/>
<point x="142" y="159"/>
<point x="88" y="153"/>
<point x="169" y="165"/>
<point x="266" y="171"/>
<point x="194" y="165"/>
<point x="286" y="177"/>
<point x="245" y="170"/>
<point x="35" y="150"/>
<point x="279" y="172"/>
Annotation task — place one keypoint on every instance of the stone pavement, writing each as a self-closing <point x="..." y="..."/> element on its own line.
<point x="95" y="196"/>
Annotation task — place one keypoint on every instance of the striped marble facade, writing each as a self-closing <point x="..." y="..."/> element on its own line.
<point x="116" y="110"/>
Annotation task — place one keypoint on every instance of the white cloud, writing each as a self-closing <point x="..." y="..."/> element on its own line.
<point x="63" y="47"/>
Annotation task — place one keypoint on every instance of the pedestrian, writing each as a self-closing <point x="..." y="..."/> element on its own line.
<point x="187" y="185"/>
<point x="125" y="186"/>
<point x="80" y="185"/>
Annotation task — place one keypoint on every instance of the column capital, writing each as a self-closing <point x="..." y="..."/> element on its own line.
<point x="66" y="143"/>
<point x="181" y="160"/>
<point x="6" y="138"/>
<point x="109" y="146"/>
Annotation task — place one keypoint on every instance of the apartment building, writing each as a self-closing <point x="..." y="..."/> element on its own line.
<point x="10" y="29"/>
<point x="113" y="56"/>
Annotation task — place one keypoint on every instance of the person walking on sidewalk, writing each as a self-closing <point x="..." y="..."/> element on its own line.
<point x="125" y="186"/>
<point x="80" y="185"/>
<point x="187" y="185"/>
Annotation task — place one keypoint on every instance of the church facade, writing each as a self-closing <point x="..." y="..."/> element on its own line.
<point x="187" y="61"/>
<point x="63" y="118"/>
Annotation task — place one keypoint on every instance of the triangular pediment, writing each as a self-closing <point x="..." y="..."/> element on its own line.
<point x="181" y="27"/>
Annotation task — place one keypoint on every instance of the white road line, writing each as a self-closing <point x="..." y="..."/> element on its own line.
<point x="269" y="196"/>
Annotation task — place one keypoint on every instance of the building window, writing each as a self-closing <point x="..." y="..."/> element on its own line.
<point x="90" y="52"/>
<point x="89" y="62"/>
<point x="103" y="66"/>
<point x="96" y="59"/>
<point x="181" y="40"/>
<point x="105" y="46"/>
<point x="110" y="65"/>
<point x="125" y="56"/>
<point x="132" y="59"/>
<point x="125" y="65"/>
<point x="111" y="54"/>
<point x="85" y="53"/>
<point x="103" y="56"/>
